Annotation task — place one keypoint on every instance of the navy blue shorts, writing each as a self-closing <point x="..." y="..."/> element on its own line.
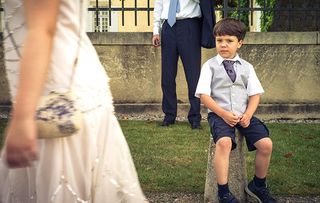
<point x="253" y="133"/>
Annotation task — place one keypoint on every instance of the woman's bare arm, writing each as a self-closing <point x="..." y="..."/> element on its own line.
<point x="41" y="16"/>
<point x="21" y="133"/>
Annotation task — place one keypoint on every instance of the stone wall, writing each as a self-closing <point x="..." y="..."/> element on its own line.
<point x="288" y="65"/>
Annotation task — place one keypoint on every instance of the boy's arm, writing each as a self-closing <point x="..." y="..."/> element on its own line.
<point x="251" y="108"/>
<point x="255" y="91"/>
<point x="230" y="118"/>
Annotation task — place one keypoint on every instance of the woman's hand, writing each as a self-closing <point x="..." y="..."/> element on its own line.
<point x="21" y="143"/>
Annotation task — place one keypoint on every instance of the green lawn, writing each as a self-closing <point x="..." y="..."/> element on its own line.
<point x="174" y="159"/>
<point x="168" y="159"/>
<point x="296" y="161"/>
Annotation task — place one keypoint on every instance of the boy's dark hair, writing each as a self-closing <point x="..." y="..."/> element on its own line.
<point x="230" y="26"/>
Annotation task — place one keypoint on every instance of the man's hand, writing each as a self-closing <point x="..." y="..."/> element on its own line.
<point x="156" y="40"/>
<point x="245" y="120"/>
<point x="230" y="118"/>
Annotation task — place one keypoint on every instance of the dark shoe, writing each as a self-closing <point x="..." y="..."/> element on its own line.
<point x="262" y="194"/>
<point x="228" y="198"/>
<point x="195" y="126"/>
<point x="166" y="123"/>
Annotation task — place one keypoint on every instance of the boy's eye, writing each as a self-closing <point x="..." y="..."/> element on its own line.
<point x="229" y="40"/>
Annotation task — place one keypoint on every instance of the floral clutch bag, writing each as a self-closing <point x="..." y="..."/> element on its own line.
<point x="57" y="115"/>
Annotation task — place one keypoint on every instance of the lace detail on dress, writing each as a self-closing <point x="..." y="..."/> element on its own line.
<point x="14" y="11"/>
<point x="13" y="60"/>
<point x="89" y="102"/>
<point x="15" y="199"/>
<point x="13" y="30"/>
<point x="10" y="49"/>
<point x="8" y="32"/>
<point x="64" y="183"/>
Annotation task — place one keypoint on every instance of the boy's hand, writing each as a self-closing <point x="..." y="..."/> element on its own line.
<point x="245" y="120"/>
<point x="230" y="118"/>
<point x="156" y="40"/>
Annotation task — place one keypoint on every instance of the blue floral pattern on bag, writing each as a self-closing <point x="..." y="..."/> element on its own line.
<point x="57" y="111"/>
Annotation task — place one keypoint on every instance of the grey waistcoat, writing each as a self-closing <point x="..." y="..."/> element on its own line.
<point x="230" y="96"/>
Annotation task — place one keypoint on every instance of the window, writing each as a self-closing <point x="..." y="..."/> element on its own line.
<point x="102" y="21"/>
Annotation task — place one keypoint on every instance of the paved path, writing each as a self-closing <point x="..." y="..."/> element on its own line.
<point x="198" y="198"/>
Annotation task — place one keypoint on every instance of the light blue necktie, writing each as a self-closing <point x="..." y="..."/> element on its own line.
<point x="174" y="8"/>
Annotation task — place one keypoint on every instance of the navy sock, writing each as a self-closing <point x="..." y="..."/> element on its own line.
<point x="222" y="190"/>
<point x="259" y="182"/>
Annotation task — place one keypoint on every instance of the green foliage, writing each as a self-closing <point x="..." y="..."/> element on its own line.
<point x="266" y="17"/>
<point x="243" y="16"/>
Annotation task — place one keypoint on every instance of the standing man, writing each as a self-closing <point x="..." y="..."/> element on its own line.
<point x="180" y="25"/>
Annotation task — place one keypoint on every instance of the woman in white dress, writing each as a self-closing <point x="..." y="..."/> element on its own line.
<point x="95" y="164"/>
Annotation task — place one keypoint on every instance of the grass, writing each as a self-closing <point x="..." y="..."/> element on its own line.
<point x="174" y="159"/>
<point x="295" y="163"/>
<point x="168" y="159"/>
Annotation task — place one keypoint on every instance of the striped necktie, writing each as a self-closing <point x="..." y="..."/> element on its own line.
<point x="228" y="66"/>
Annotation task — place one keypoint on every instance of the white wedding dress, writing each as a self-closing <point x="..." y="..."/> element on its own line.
<point x="93" y="165"/>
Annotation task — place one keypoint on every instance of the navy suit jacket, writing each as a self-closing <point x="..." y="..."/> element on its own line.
<point x="208" y="21"/>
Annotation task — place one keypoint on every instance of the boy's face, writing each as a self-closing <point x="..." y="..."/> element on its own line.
<point x="227" y="46"/>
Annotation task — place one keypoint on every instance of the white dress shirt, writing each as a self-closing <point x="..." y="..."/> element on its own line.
<point x="231" y="96"/>
<point x="188" y="9"/>
<point x="204" y="85"/>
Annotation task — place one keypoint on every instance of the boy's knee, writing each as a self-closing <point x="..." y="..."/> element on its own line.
<point x="264" y="145"/>
<point x="224" y="143"/>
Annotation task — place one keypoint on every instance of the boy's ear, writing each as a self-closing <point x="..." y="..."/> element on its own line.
<point x="240" y="42"/>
